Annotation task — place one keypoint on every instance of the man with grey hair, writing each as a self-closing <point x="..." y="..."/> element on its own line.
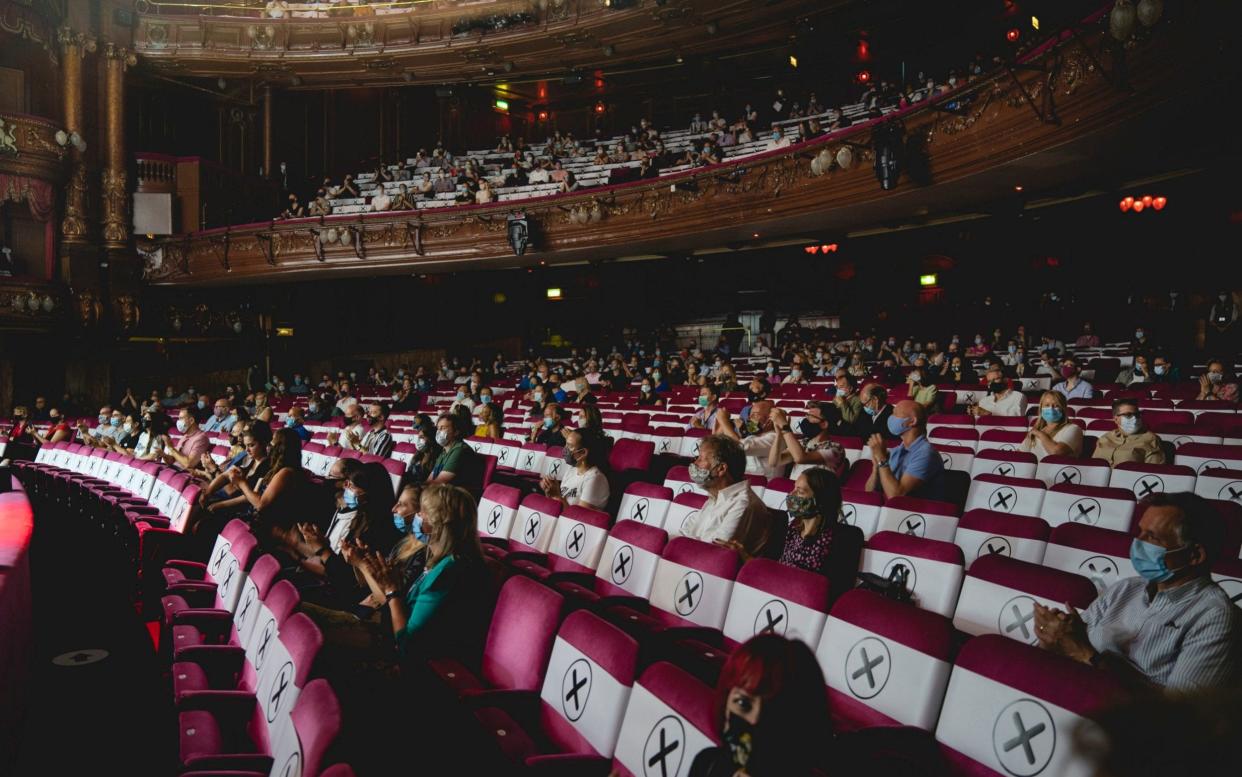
<point x="1171" y="626"/>
<point x="733" y="514"/>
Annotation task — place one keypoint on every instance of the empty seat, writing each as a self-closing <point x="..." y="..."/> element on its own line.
<point x="1145" y="479"/>
<point x="497" y="509"/>
<point x="1201" y="456"/>
<point x="956" y="457"/>
<point x="585" y="692"/>
<point x="861" y="509"/>
<point x="518" y="644"/>
<point x="1073" y="471"/>
<point x="999" y="594"/>
<point x="886" y="664"/>
<point x="692" y="585"/>
<point x="533" y="527"/>
<point x="668" y="721"/>
<point x="1100" y="555"/>
<point x="627" y="564"/>
<point x="1019" y="496"/>
<point x="928" y="518"/>
<point x="1228" y="575"/>
<point x="953" y="435"/>
<point x="577" y="541"/>
<point x="645" y="503"/>
<point x="1012" y="709"/>
<point x="1109" y="508"/>
<point x="987" y="532"/>
<point x="775" y="492"/>
<point x="1225" y="484"/>
<point x="1007" y="463"/>
<point x="770" y="597"/>
<point x="933" y="569"/>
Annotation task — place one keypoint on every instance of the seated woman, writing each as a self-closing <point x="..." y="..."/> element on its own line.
<point x="816" y="447"/>
<point x="446" y="611"/>
<point x="127" y="437"/>
<point x="772" y="711"/>
<point x="218" y="486"/>
<point x="59" y="431"/>
<point x="489" y="422"/>
<point x="484" y="194"/>
<point x="409" y="555"/>
<point x="570" y="182"/>
<point x="1052" y="433"/>
<point x="647" y="393"/>
<point x="817" y="540"/>
<point x="227" y="500"/>
<point x="428" y="449"/>
<point x="583" y="485"/>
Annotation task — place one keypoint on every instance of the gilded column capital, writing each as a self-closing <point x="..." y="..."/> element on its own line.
<point x="115" y="52"/>
<point x="80" y="40"/>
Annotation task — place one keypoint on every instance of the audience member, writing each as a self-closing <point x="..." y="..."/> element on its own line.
<point x="817" y="540"/>
<point x="1131" y="441"/>
<point x="733" y="514"/>
<point x="812" y="445"/>
<point x="913" y="468"/>
<point x="1052" y="433"/>
<point x="583" y="484"/>
<point x="1073" y="386"/>
<point x="1002" y="398"/>
<point x="1214" y="384"/>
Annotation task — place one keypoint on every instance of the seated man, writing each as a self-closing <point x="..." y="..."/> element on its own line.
<point x="913" y="468"/>
<point x="756" y="437"/>
<point x="733" y="515"/>
<point x="876" y="412"/>
<point x="109" y="424"/>
<point x="1171" y="626"/>
<point x="221" y="419"/>
<point x="194" y="443"/>
<point x="457" y="463"/>
<point x="1002" y="399"/>
<point x="1131" y="440"/>
<point x="1073" y="386"/>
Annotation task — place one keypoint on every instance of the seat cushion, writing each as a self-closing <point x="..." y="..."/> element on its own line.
<point x="456" y="676"/>
<point x="173" y="576"/>
<point x="510" y="738"/>
<point x="199" y="735"/>
<point x="188" y="677"/>
<point x="577" y="591"/>
<point x="185" y="636"/>
<point x="531" y="569"/>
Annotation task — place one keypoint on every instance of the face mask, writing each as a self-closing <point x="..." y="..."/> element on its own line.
<point x="181" y="425"/>
<point x="396" y="395"/>
<point x="54" y="418"/>
<point x="1139" y="334"/>
<point x="103" y="419"/>
<point x="1129" y="425"/>
<point x="1149" y="561"/>
<point x="645" y="388"/>
<point x="290" y="421"/>
<point x="114" y="421"/>
<point x="1050" y="415"/>
<point x="351" y="498"/>
<point x="896" y="425"/>
<point x="129" y="428"/>
<point x="869" y="410"/>
<point x="795" y="374"/>
<point x="739" y="735"/>
<point x="537" y="396"/>
<point x="486" y="399"/>
<point x="569" y="457"/>
<point x="398" y="522"/>
<point x="770" y="370"/>
<point x="808" y="428"/>
<point x="441" y="438"/>
<point x="996" y="387"/>
<point x="548" y="423"/>
<point x="1216" y="377"/>
<point x="916" y="377"/>
<point x="417" y="529"/>
<point x="1159" y="369"/>
<point x="1222" y="297"/>
<point x="702" y="401"/>
<point x="978" y="341"/>
<point x="699" y="475"/>
<point x="313" y="407"/>
<point x="655" y="376"/>
<point x="201" y="405"/>
<point x="1013" y="349"/>
<point x="461" y="395"/>
<point x="1067" y="372"/>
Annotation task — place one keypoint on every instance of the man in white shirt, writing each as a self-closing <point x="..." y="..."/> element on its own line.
<point x="732" y="515"/>
<point x="346" y="401"/>
<point x="759" y="438"/>
<point x="1001" y="399"/>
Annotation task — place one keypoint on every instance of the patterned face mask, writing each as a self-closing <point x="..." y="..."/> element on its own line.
<point x="801" y="506"/>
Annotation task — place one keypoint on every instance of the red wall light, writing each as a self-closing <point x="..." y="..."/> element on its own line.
<point x="864" y="76"/>
<point x="1138" y="206"/>
<point x="1013" y="34"/>
<point x="811" y="249"/>
<point x="543" y="116"/>
<point x="599" y="107"/>
<point x="1159" y="202"/>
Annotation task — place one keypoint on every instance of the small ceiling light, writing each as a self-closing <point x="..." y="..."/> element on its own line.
<point x="1017" y="188"/>
<point x="793" y="61"/>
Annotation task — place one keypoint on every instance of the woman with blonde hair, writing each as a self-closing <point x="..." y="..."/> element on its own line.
<point x="489" y="423"/>
<point x="1052" y="433"/>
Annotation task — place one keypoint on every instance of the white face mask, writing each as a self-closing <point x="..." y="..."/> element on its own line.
<point x="441" y="438"/>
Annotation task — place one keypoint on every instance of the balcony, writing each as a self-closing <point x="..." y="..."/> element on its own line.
<point x="187" y="194"/>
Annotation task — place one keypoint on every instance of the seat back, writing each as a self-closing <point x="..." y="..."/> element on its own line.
<point x="668" y="721"/>
<point x="928" y="518"/>
<point x="534" y="524"/>
<point x="646" y="503"/>
<point x="1109" y="508"/>
<point x="775" y="492"/>
<point x="1223" y="484"/>
<point x="1146" y="479"/>
<point x="770" y="597"/>
<point x="694" y="580"/>
<point x="684" y="507"/>
<point x="284" y="675"/>
<point x="1019" y="496"/>
<point x="628" y="561"/>
<point x="1014" y="709"/>
<point x="587" y="687"/>
<point x="999" y="596"/>
<point x="1202" y="456"/>
<point x="958" y="458"/>
<point x="1100" y="555"/>
<point x="578" y="540"/>
<point x="1228" y="575"/>
<point x="497" y="508"/>
<point x="862" y="509"/>
<point x="314" y="723"/>
<point x="886" y="664"/>
<point x="631" y="455"/>
<point x="1006" y="463"/>
<point x="530" y="460"/>
<point x="273" y="610"/>
<point x="256" y="586"/>
<point x="1073" y="471"/>
<point x="520" y="637"/>
<point x="987" y="533"/>
<point x="934" y="569"/>
<point x="678" y="479"/>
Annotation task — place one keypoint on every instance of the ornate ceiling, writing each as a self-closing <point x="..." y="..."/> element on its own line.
<point x="447" y="42"/>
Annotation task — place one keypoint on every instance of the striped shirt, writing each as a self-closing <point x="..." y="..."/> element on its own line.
<point x="1184" y="638"/>
<point x="377" y="442"/>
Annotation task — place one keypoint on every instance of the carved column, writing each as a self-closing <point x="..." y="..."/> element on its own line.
<point x="267" y="131"/>
<point x="115" y="190"/>
<point x="73" y="48"/>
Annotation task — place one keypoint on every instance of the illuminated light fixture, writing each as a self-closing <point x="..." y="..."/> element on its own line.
<point x="284" y="331"/>
<point x="499" y="298"/>
<point x="829" y="248"/>
<point x="927" y="280"/>
<point x="502" y="105"/>
<point x="811" y="249"/>
<point x="554" y="293"/>
<point x="599" y="107"/>
<point x="1159" y="202"/>
<point x="1035" y="23"/>
<point x="754" y="234"/>
<point x="864" y="76"/>
<point x="1013" y="34"/>
<point x="543" y="116"/>
<point x="1138" y="206"/>
<point x="1126" y="204"/>
<point x="1146" y="200"/>
<point x="1018" y="188"/>
<point x="793" y="61"/>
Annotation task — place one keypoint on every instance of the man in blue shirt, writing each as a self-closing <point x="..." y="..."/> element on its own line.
<point x="913" y="468"/>
<point x="1073" y="387"/>
<point x="221" y="418"/>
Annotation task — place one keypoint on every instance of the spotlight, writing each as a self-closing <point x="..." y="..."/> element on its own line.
<point x="543" y="116"/>
<point x="519" y="233"/>
<point x="887" y="141"/>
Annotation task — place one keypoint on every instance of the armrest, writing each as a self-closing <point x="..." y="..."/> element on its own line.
<point x="237" y="705"/>
<point x="231" y="764"/>
<point x="500" y="542"/>
<point x="540" y="559"/>
<point x="218" y="661"/>
<point x="191" y="569"/>
<point x="616" y="603"/>
<point x="207" y="619"/>
<point x="583" y="579"/>
<point x="149" y="522"/>
<point x="520" y="704"/>
<point x="198" y="597"/>
<point x="566" y="765"/>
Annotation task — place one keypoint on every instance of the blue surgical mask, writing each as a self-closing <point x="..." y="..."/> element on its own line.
<point x="1149" y="561"/>
<point x="537" y="396"/>
<point x="398" y="521"/>
<point x="1129" y="425"/>
<point x="417" y="529"/>
<point x="702" y="401"/>
<point x="114" y="421"/>
<point x="1159" y="368"/>
<point x="461" y="395"/>
<point x="290" y="421"/>
<point x="486" y="399"/>
<point x="868" y="410"/>
<point x="770" y="370"/>
<point x="181" y="425"/>
<point x="548" y="423"/>
<point x="313" y="407"/>
<point x="897" y="425"/>
<point x="1050" y="414"/>
<point x="351" y="498"/>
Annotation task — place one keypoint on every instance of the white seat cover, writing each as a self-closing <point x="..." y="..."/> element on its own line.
<point x="752" y="612"/>
<point x="627" y="566"/>
<point x="976" y="544"/>
<point x="987" y="608"/>
<point x="688" y="593"/>
<point x="934" y="584"/>
<point x="494" y="519"/>
<point x="643" y="509"/>
<point x="585" y="695"/>
<point x="653" y="733"/>
<point x="1013" y="498"/>
<point x="918" y="524"/>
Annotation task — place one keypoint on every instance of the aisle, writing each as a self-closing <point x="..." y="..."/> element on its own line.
<point x="97" y="704"/>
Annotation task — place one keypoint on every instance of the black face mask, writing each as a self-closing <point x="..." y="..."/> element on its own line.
<point x="996" y="387"/>
<point x="739" y="736"/>
<point x="808" y="428"/>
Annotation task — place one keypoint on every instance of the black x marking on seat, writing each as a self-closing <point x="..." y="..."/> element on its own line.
<point x="530" y="461"/>
<point x="273" y="705"/>
<point x="1068" y="476"/>
<point x="772" y="622"/>
<point x="576" y="537"/>
<point x="688" y="596"/>
<point x="1084" y="512"/>
<point x="868" y="665"/>
<point x="994" y="549"/>
<point x="1234" y="493"/>
<point x="1147" y="487"/>
<point x="640" y="512"/>
<point x="494" y="520"/>
<point x="912" y="526"/>
<point x="1003" y="469"/>
<point x="666" y="749"/>
<point x="577" y="686"/>
<point x="1002" y="499"/>
<point x="532" y="529"/>
<point x="1024" y="737"/>
<point x="623" y="563"/>
<point x="1020" y="623"/>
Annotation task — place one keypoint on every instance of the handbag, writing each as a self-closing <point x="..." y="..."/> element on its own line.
<point x="891" y="587"/>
